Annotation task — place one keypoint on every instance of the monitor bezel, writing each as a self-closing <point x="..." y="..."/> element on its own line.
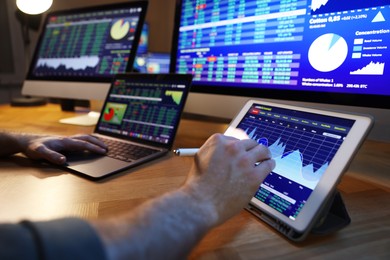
<point x="358" y="100"/>
<point x="133" y="50"/>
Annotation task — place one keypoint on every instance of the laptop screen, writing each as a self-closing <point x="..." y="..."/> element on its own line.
<point x="145" y="107"/>
<point x="90" y="44"/>
<point x="302" y="145"/>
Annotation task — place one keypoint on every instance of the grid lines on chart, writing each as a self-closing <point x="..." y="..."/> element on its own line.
<point x="315" y="148"/>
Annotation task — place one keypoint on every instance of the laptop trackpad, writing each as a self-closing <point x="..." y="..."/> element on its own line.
<point x="95" y="166"/>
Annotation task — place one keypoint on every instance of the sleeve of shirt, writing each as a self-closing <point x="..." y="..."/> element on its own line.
<point x="68" y="238"/>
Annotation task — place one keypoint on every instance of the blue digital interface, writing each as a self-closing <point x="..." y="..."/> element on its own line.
<point x="88" y="43"/>
<point x="318" y="45"/>
<point x="152" y="63"/>
<point x="142" y="109"/>
<point x="144" y="40"/>
<point x="302" y="145"/>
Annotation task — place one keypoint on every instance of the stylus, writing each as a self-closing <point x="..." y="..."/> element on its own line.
<point x="186" y="151"/>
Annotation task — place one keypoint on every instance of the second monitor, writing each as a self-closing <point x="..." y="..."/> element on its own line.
<point x="79" y="50"/>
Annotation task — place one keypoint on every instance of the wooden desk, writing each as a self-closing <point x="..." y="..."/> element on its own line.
<point x="40" y="192"/>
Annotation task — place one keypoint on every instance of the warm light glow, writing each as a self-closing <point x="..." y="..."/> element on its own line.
<point x="33" y="6"/>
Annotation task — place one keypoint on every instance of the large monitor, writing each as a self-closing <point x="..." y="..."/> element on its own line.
<point x="79" y="50"/>
<point x="332" y="52"/>
<point x="153" y="62"/>
<point x="143" y="45"/>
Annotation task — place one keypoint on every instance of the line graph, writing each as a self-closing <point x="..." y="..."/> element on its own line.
<point x="317" y="4"/>
<point x="75" y="63"/>
<point x="373" y="68"/>
<point x="329" y="6"/>
<point x="300" y="156"/>
<point x="176" y="96"/>
<point x="290" y="165"/>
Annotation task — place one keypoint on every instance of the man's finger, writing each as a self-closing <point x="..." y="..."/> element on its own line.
<point x="249" y="144"/>
<point x="260" y="153"/>
<point x="91" y="139"/>
<point x="52" y="156"/>
<point x="263" y="169"/>
<point x="73" y="144"/>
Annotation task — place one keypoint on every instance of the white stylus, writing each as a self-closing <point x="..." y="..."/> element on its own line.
<point x="186" y="151"/>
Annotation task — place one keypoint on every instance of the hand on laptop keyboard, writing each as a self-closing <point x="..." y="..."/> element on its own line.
<point x="126" y="151"/>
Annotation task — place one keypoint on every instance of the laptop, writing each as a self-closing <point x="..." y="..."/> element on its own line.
<point x="138" y="121"/>
<point x="312" y="148"/>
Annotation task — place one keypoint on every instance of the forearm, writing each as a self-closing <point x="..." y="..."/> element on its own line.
<point x="164" y="228"/>
<point x="12" y="143"/>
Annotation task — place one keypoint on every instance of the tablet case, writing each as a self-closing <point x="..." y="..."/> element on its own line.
<point x="333" y="218"/>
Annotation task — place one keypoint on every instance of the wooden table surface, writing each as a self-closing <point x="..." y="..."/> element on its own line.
<point x="39" y="192"/>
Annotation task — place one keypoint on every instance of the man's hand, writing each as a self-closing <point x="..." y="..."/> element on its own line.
<point x="49" y="147"/>
<point x="224" y="177"/>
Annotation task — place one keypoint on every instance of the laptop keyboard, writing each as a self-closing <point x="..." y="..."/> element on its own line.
<point x="125" y="151"/>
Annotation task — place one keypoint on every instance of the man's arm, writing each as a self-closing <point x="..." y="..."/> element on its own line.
<point x="164" y="228"/>
<point x="47" y="147"/>
<point x="221" y="182"/>
<point x="9" y="144"/>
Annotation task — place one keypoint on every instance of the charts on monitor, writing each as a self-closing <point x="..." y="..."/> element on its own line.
<point x="175" y="95"/>
<point x="143" y="111"/>
<point x="87" y="48"/>
<point x="286" y="49"/>
<point x="150" y="112"/>
<point x="317" y="4"/>
<point x="329" y="6"/>
<point x="114" y="113"/>
<point x="373" y="68"/>
<point x="119" y="29"/>
<point x="328" y="52"/>
<point x="77" y="63"/>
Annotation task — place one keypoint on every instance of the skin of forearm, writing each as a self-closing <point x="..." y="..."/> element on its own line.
<point x="163" y="228"/>
<point x="12" y="143"/>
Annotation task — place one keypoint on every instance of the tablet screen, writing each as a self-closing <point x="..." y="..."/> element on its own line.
<point x="302" y="145"/>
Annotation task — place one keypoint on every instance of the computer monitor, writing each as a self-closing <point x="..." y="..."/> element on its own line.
<point x="143" y="45"/>
<point x="323" y="52"/>
<point x="158" y="62"/>
<point x="142" y="50"/>
<point x="79" y="50"/>
<point x="153" y="62"/>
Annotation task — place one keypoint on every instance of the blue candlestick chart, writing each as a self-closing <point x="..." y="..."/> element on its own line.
<point x="300" y="155"/>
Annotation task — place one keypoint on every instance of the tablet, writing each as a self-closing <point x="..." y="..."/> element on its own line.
<point x="311" y="148"/>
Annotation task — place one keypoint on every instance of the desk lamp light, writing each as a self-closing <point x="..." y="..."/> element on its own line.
<point x="33" y="7"/>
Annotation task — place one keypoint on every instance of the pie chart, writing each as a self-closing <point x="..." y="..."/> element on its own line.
<point x="114" y="113"/>
<point x="119" y="29"/>
<point x="328" y="52"/>
<point x="109" y="114"/>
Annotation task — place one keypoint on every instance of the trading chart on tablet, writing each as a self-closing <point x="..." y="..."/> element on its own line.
<point x="302" y="145"/>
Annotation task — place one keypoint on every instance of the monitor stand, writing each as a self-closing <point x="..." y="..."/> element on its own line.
<point x="89" y="118"/>
<point x="28" y="101"/>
